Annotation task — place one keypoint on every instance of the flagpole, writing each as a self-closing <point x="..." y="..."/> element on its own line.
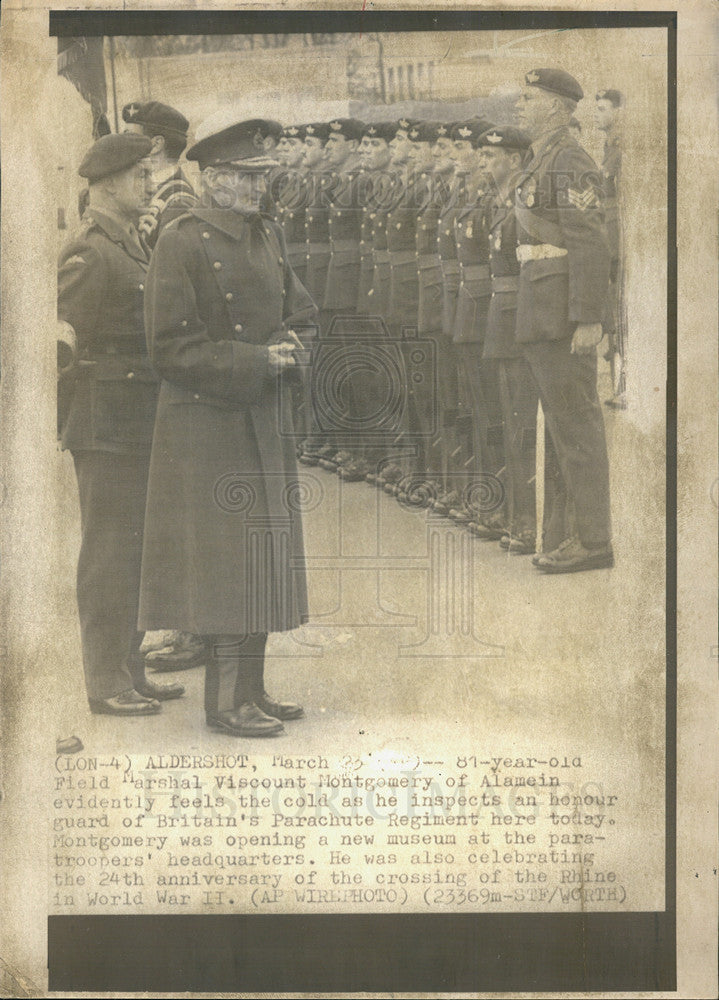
<point x="114" y="87"/>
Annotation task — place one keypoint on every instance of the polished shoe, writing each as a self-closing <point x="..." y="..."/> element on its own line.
<point x="284" y="710"/>
<point x="573" y="557"/>
<point x="126" y="703"/>
<point x="247" y="720"/>
<point x="389" y="475"/>
<point x="160" y="692"/>
<point x="505" y="541"/>
<point x="333" y="462"/>
<point x="68" y="744"/>
<point x="522" y="544"/>
<point x="353" y="472"/>
<point x="446" y="502"/>
<point x="460" y="515"/>
<point x="308" y="458"/>
<point x="488" y="533"/>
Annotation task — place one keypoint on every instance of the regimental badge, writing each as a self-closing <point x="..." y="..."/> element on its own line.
<point x="371" y="130"/>
<point x="601" y="95"/>
<point x="310" y="130"/>
<point x="292" y="130"/>
<point x="465" y="132"/>
<point x="403" y="123"/>
<point x="529" y="192"/>
<point x="336" y="126"/>
<point x="132" y="111"/>
<point x="413" y="134"/>
<point x="493" y="137"/>
<point x="441" y="130"/>
<point x="532" y="77"/>
<point x="258" y="140"/>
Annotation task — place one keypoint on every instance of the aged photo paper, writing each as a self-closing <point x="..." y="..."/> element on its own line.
<point x="503" y="775"/>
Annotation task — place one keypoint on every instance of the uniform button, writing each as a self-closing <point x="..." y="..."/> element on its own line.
<point x="229" y="296"/>
<point x="141" y="287"/>
<point x="217" y="265"/>
<point x="280" y="260"/>
<point x="196" y="396"/>
<point x="130" y="374"/>
<point x="184" y="323"/>
<point x="284" y="292"/>
<point x="398" y="226"/>
<point x="338" y="214"/>
<point x="238" y="328"/>
<point x="448" y="232"/>
<point x="205" y="236"/>
<point x="292" y="215"/>
<point x="309" y="256"/>
<point x="372" y="215"/>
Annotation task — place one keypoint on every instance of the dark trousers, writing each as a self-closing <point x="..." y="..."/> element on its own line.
<point x="479" y="417"/>
<point x="112" y="490"/>
<point x="234" y="671"/>
<point x="518" y="392"/>
<point x="567" y="385"/>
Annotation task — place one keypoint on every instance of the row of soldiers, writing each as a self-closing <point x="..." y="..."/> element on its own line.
<point x="412" y="224"/>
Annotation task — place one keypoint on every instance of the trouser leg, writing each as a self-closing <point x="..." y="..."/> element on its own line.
<point x="234" y="671"/>
<point x="112" y="491"/>
<point x="519" y="407"/>
<point x="567" y="386"/>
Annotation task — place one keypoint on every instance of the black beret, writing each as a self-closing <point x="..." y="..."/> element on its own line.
<point x="247" y="143"/>
<point x="317" y="130"/>
<point x="113" y="153"/>
<point x="348" y="128"/>
<point x="555" y="81"/>
<point x="442" y="130"/>
<point x="423" y="132"/>
<point x="156" y="115"/>
<point x="504" y="137"/>
<point x="293" y="132"/>
<point x="380" y="130"/>
<point x="615" y="96"/>
<point x="470" y="130"/>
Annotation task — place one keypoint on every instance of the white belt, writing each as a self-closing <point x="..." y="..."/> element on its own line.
<point x="540" y="251"/>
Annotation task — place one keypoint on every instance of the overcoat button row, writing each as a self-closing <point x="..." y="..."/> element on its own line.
<point x="238" y="328"/>
<point x="217" y="265"/>
<point x="229" y="296"/>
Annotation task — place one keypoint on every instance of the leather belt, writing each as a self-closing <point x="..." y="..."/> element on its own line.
<point x="341" y="245"/>
<point x="381" y="256"/>
<point x="538" y="251"/>
<point x="397" y="257"/>
<point x="474" y="272"/>
<point x="506" y="283"/>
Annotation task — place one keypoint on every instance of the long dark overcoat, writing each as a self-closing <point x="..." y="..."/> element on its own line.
<point x="223" y="549"/>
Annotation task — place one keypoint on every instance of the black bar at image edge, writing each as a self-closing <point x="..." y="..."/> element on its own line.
<point x="433" y="953"/>
<point x="176" y="22"/>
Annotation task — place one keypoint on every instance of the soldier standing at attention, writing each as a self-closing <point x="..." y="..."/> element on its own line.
<point x="480" y="414"/>
<point x="108" y="403"/>
<point x="563" y="281"/>
<point x="503" y="151"/>
<point x="608" y="118"/>
<point x="343" y="275"/>
<point x="228" y="561"/>
<point x="172" y="193"/>
<point x="289" y="190"/>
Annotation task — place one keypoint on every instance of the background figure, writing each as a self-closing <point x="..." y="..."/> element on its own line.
<point x="170" y="192"/>
<point x="227" y="563"/>
<point x="608" y="118"/>
<point x="106" y="416"/>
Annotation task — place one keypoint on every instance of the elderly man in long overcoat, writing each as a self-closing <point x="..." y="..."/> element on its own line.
<point x="223" y="554"/>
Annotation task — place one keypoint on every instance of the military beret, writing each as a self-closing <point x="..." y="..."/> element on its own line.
<point x="348" y="128"/>
<point x="423" y="132"/>
<point x="380" y="130"/>
<point x="113" y="153"/>
<point x="293" y="132"/>
<point x="442" y="130"/>
<point x="405" y="124"/>
<point x="246" y="143"/>
<point x="155" y="115"/>
<point x="555" y="81"/>
<point x="317" y="130"/>
<point x="470" y="130"/>
<point x="504" y="137"/>
<point x="615" y="96"/>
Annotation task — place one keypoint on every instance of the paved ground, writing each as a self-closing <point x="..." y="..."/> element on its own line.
<point x="419" y="630"/>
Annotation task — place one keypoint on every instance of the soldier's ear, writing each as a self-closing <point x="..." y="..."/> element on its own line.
<point x="353" y="144"/>
<point x="158" y="145"/>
